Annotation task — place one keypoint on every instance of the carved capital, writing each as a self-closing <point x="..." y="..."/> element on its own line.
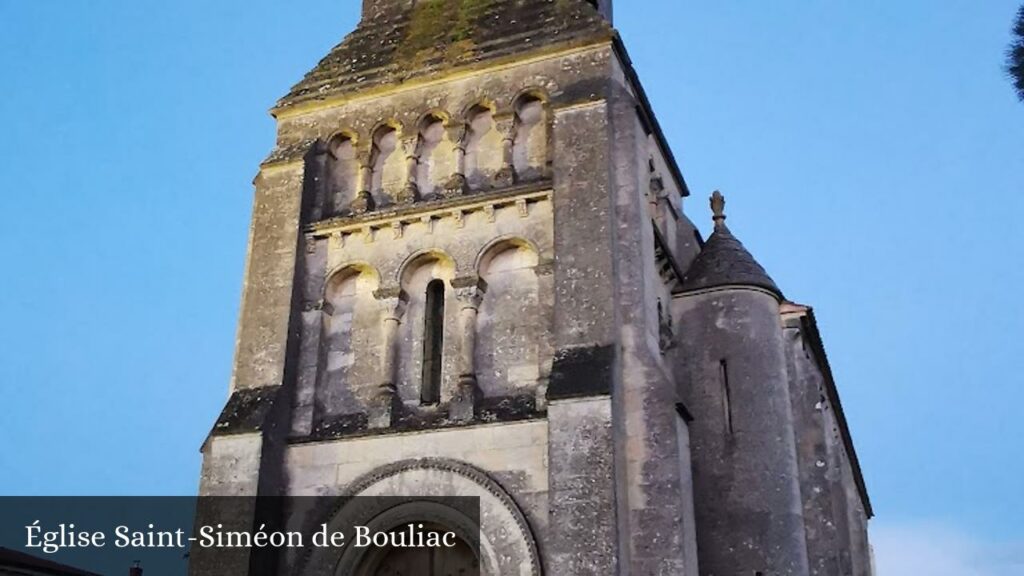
<point x="505" y="124"/>
<point x="456" y="133"/>
<point x="411" y="146"/>
<point x="470" y="290"/>
<point x="393" y="302"/>
<point x="364" y="153"/>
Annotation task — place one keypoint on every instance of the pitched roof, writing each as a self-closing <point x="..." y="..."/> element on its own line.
<point x="724" y="261"/>
<point x="805" y="316"/>
<point x="395" y="45"/>
<point x="14" y="559"/>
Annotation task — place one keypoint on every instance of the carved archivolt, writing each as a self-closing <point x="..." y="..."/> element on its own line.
<point x="506" y="543"/>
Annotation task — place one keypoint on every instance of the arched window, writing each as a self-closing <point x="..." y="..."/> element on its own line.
<point x="389" y="173"/>
<point x="530" y="152"/>
<point x="433" y="343"/>
<point x="345" y="364"/>
<point x="507" y="354"/>
<point x="483" y="148"/>
<point x="435" y="156"/>
<point x="342" y="172"/>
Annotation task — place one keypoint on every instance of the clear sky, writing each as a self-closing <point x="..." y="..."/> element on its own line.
<point x="871" y="154"/>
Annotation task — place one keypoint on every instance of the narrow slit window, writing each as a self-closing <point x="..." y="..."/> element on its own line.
<point x="433" y="343"/>
<point x="723" y="376"/>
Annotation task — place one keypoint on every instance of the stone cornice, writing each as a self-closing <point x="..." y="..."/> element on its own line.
<point x="466" y="72"/>
<point x="458" y="207"/>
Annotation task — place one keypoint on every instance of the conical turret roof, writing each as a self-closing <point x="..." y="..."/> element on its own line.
<point x="724" y="261"/>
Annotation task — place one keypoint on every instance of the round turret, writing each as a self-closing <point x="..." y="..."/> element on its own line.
<point x="735" y="382"/>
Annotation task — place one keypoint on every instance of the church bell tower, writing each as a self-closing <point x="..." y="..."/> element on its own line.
<point x="467" y="276"/>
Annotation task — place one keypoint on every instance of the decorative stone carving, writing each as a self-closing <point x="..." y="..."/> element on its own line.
<point x="506" y="126"/>
<point x="410" y="193"/>
<point x="504" y="535"/>
<point x="457" y="184"/>
<point x="337" y="240"/>
<point x="364" y="201"/>
<point x="469" y="291"/>
<point x="386" y="404"/>
<point x="393" y="302"/>
<point x="523" y="207"/>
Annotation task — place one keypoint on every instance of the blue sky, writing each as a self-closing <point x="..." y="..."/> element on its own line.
<point x="870" y="151"/>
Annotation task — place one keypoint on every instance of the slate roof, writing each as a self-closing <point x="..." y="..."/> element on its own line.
<point x="724" y="261"/>
<point x="398" y="44"/>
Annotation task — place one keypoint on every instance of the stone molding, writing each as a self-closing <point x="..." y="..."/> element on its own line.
<point x="501" y="497"/>
<point x="439" y="209"/>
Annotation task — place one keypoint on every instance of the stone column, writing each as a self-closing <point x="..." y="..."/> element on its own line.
<point x="387" y="404"/>
<point x="364" y="199"/>
<point x="457" y="185"/>
<point x="506" y="126"/>
<point x="469" y="290"/>
<point x="411" y="192"/>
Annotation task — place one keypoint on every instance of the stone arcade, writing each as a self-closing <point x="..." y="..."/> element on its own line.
<point x="470" y="274"/>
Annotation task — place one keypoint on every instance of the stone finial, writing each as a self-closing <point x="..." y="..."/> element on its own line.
<point x="718" y="209"/>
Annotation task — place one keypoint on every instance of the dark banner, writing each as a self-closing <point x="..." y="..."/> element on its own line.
<point x="364" y="536"/>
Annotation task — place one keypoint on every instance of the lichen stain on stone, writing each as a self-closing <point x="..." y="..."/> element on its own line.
<point x="443" y="29"/>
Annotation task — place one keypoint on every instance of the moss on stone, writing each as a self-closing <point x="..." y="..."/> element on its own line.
<point x="413" y="39"/>
<point x="443" y="28"/>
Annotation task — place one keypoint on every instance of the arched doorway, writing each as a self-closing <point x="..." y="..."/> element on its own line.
<point x="457" y="560"/>
<point x="436" y="493"/>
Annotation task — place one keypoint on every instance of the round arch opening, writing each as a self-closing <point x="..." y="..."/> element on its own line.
<point x="421" y="537"/>
<point x="459" y="558"/>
